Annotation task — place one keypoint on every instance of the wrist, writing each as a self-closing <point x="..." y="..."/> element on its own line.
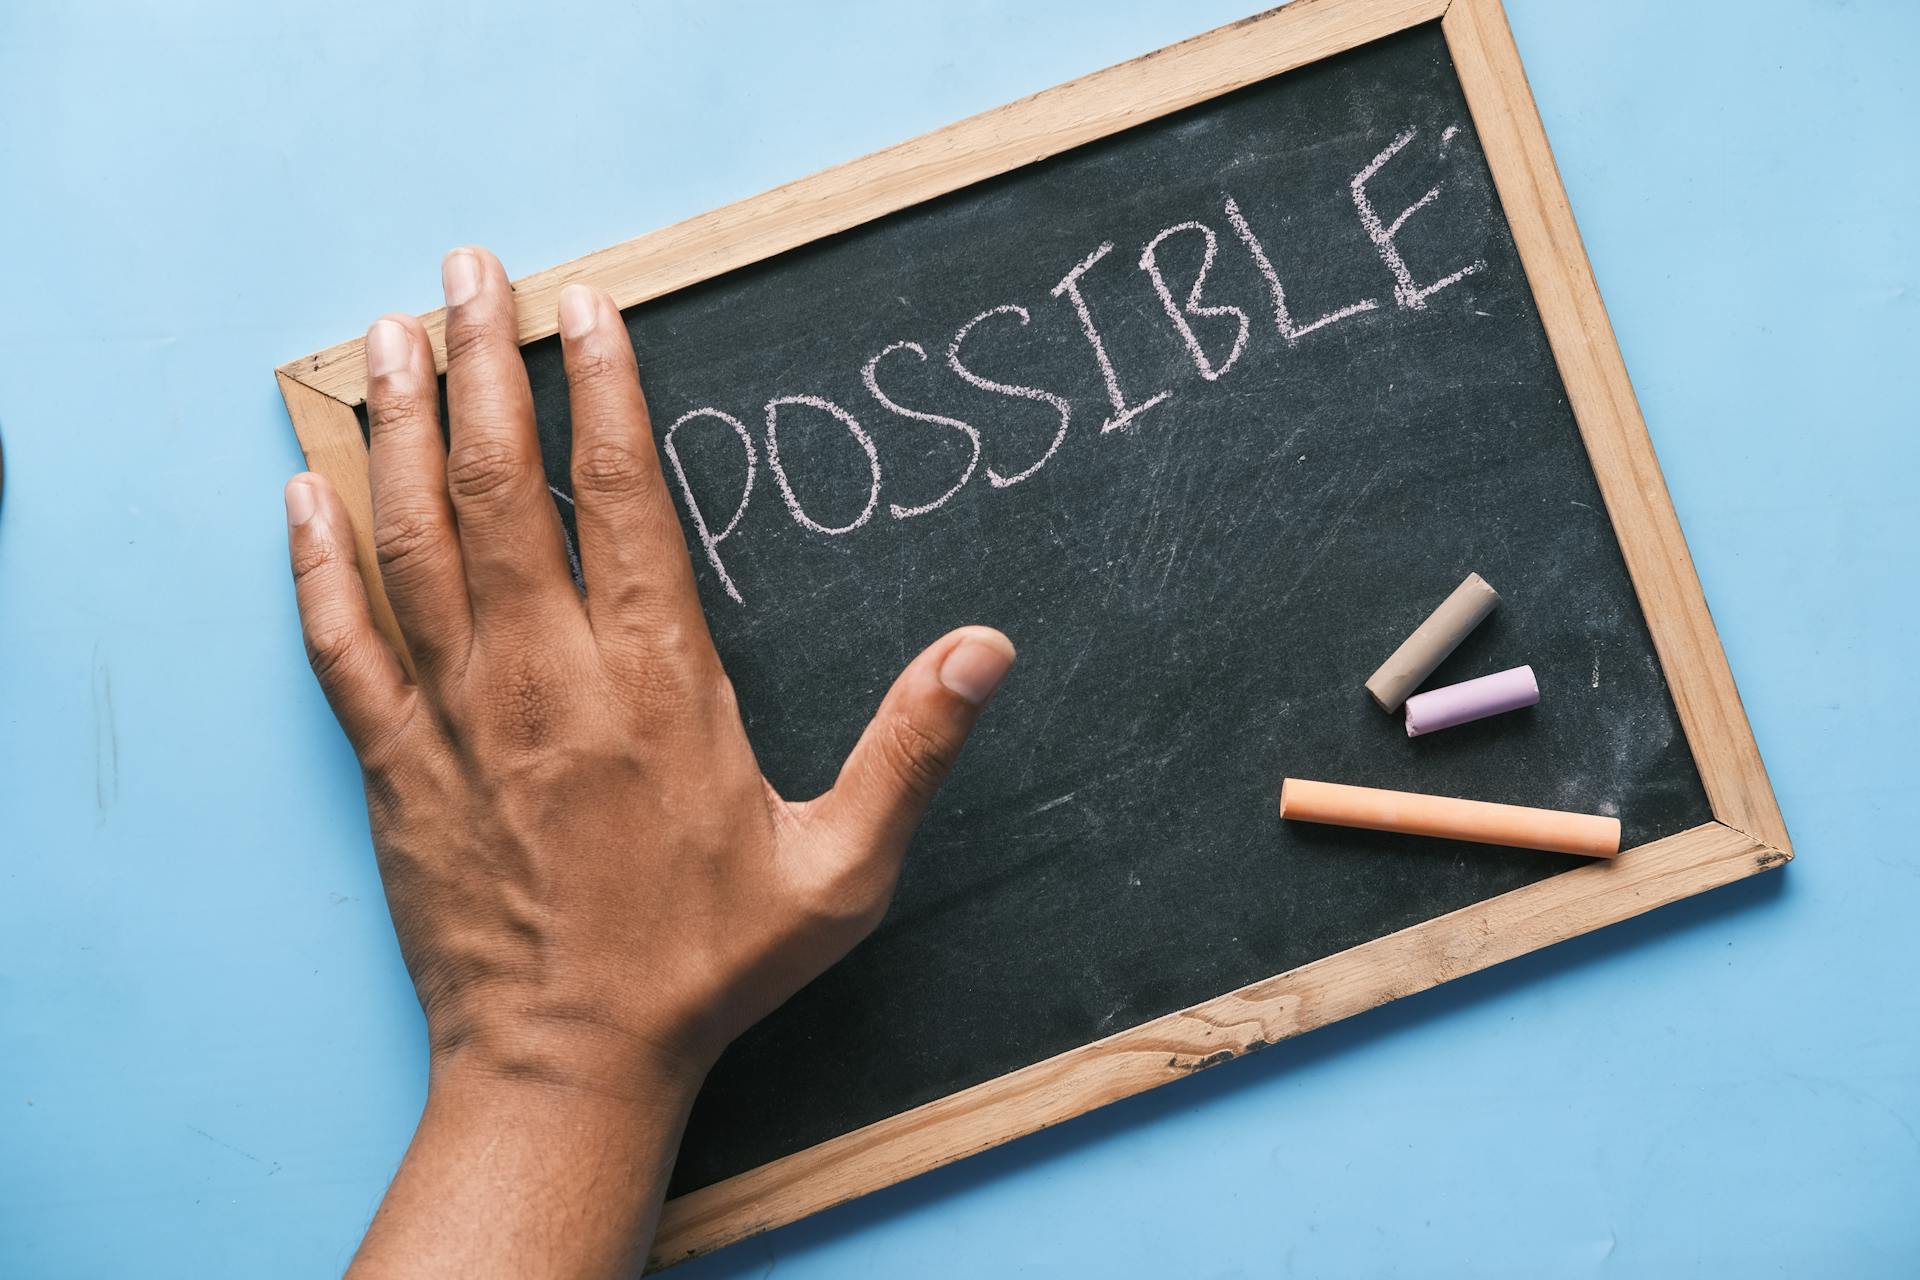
<point x="546" y="1159"/>
<point x="590" y="1061"/>
<point x="618" y="1131"/>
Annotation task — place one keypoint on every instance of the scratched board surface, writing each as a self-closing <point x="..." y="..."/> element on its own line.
<point x="1208" y="486"/>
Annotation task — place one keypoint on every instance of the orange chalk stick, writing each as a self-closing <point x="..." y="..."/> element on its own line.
<point x="1589" y="835"/>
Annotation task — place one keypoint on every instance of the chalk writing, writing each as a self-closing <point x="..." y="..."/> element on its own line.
<point x="973" y="379"/>
<point x="852" y="424"/>
<point x="1179" y="312"/>
<point x="709" y="540"/>
<point x="1203" y="347"/>
<point x="1123" y="413"/>
<point x="1282" y="318"/>
<point x="868" y="376"/>
<point x="1405" y="291"/>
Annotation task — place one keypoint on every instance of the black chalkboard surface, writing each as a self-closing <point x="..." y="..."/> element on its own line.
<point x="1203" y="536"/>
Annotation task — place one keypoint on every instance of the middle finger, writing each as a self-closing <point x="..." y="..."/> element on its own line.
<point x="510" y="535"/>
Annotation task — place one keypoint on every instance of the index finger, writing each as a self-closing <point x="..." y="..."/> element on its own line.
<point x="632" y="553"/>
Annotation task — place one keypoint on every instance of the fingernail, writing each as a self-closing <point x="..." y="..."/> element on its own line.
<point x="460" y="277"/>
<point x="975" y="669"/>
<point x="301" y="502"/>
<point x="578" y="310"/>
<point x="386" y="349"/>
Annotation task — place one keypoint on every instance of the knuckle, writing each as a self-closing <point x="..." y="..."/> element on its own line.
<point x="312" y="556"/>
<point x="333" y="648"/>
<point x="918" y="757"/>
<point x="484" y="469"/>
<point x="597" y="370"/>
<point x="683" y="653"/>
<point x="608" y="467"/>
<point x="403" y="539"/>
<point x="392" y="411"/>
<point x="659" y="689"/>
<point x="653" y="646"/>
<point x="466" y="338"/>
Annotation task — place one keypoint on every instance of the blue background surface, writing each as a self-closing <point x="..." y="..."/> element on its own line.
<point x="210" y="1058"/>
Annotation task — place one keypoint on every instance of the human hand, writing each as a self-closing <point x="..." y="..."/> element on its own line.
<point x="591" y="880"/>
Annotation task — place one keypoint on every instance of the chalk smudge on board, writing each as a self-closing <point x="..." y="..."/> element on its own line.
<point x="1333" y="532"/>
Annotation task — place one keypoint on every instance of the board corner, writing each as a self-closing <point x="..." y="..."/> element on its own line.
<point x="1769" y="846"/>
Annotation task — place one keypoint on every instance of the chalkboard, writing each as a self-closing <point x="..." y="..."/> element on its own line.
<point x="1197" y="594"/>
<point x="1206" y="413"/>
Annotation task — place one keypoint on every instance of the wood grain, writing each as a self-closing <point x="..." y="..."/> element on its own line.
<point x="1176" y="1046"/>
<point x="1603" y="402"/>
<point x="918" y="170"/>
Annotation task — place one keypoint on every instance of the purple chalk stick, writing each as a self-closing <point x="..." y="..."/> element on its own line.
<point x="1471" y="700"/>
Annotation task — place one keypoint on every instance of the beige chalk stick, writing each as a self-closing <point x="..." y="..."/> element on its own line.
<point x="1412" y="813"/>
<point x="1431" y="642"/>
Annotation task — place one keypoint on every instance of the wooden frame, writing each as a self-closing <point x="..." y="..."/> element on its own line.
<point x="1747" y="834"/>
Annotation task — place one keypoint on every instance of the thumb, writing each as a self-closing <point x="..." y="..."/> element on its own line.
<point x="912" y="742"/>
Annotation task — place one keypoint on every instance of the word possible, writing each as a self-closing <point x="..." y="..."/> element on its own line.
<point x="1407" y="293"/>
